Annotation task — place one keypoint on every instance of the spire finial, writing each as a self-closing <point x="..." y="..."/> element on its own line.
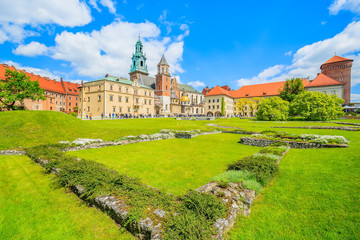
<point x="335" y="52"/>
<point x="139" y="36"/>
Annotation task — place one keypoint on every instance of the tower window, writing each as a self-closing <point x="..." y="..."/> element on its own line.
<point x="142" y="63"/>
<point x="134" y="63"/>
<point x="341" y="79"/>
<point x="162" y="69"/>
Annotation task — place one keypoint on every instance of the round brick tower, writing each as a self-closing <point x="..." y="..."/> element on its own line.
<point x="339" y="69"/>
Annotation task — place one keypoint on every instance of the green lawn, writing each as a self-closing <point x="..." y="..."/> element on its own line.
<point x="315" y="196"/>
<point x="173" y="165"/>
<point x="32" y="209"/>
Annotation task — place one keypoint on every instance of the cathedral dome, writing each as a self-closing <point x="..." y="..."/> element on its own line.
<point x="185" y="98"/>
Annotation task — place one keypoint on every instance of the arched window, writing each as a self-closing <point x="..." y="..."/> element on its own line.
<point x="134" y="63"/>
<point x="142" y="63"/>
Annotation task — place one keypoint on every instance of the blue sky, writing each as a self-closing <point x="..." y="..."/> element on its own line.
<point x="207" y="43"/>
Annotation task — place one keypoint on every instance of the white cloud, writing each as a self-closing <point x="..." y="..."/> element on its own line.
<point x="140" y="7"/>
<point x="289" y="53"/>
<point x="350" y="5"/>
<point x="31" y="49"/>
<point x="37" y="71"/>
<point x="109" y="49"/>
<point x="323" y="22"/>
<point x="15" y="15"/>
<point x="196" y="84"/>
<point x="265" y="76"/>
<point x="105" y="3"/>
<point x="308" y="59"/>
<point x="355" y="97"/>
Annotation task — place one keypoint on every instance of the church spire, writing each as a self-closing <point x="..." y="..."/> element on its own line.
<point x="139" y="59"/>
<point x="163" y="61"/>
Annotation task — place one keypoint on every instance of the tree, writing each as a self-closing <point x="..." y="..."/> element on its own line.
<point x="292" y="88"/>
<point x="240" y="104"/>
<point x="17" y="87"/>
<point x="273" y="109"/>
<point x="317" y="106"/>
<point x="223" y="106"/>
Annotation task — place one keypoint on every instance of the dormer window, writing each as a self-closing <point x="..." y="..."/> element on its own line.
<point x="246" y="95"/>
<point x="264" y="93"/>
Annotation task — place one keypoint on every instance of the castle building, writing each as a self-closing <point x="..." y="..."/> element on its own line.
<point x="334" y="79"/>
<point x="60" y="95"/>
<point x="142" y="94"/>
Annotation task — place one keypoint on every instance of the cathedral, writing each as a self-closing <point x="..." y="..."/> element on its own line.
<point x="142" y="95"/>
<point x="171" y="97"/>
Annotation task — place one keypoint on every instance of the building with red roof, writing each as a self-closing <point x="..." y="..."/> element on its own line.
<point x="60" y="95"/>
<point x="334" y="79"/>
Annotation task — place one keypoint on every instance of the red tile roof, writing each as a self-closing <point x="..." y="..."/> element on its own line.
<point x="336" y="59"/>
<point x="323" y="80"/>
<point x="226" y="87"/>
<point x="46" y="83"/>
<point x="261" y="90"/>
<point x="218" y="91"/>
<point x="71" y="88"/>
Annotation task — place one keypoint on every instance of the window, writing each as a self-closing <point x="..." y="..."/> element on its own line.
<point x="120" y="109"/>
<point x="142" y="63"/>
<point x="88" y="99"/>
<point x="99" y="87"/>
<point x="111" y="87"/>
<point x="70" y="98"/>
<point x="76" y="104"/>
<point x="119" y="89"/>
<point x="114" y="109"/>
<point x="50" y="108"/>
<point x="134" y="63"/>
<point x="147" y="110"/>
<point x="217" y="106"/>
<point x="209" y="107"/>
<point x="333" y="92"/>
<point x="56" y="95"/>
<point x="99" y="98"/>
<point x="213" y="106"/>
<point x="209" y="101"/>
<point x="162" y="69"/>
<point x="145" y="93"/>
<point x="145" y="101"/>
<point x="69" y="109"/>
<point x="217" y="100"/>
<point x="88" y="108"/>
<point x="341" y="79"/>
<point x="137" y="100"/>
<point x="76" y="99"/>
<point x="51" y="100"/>
<point x="119" y="98"/>
<point x="213" y="100"/>
<point x="127" y="99"/>
<point x="150" y="102"/>
<point x="135" y="92"/>
<point x="111" y="97"/>
<point x="150" y="94"/>
<point x="69" y="103"/>
<point x="127" y="90"/>
<point x="56" y="102"/>
<point x="128" y="109"/>
<point x="166" y="87"/>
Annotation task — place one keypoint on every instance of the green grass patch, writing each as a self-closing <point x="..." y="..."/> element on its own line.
<point x="246" y="177"/>
<point x="30" y="208"/>
<point x="173" y="165"/>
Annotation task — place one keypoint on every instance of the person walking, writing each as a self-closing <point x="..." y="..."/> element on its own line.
<point x="90" y="116"/>
<point x="102" y="116"/>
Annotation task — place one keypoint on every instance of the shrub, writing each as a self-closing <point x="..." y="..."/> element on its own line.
<point x="272" y="150"/>
<point x="74" y="114"/>
<point x="195" y="218"/>
<point x="273" y="109"/>
<point x="317" y="106"/>
<point x="270" y="156"/>
<point x="253" y="185"/>
<point x="278" y="144"/>
<point x="263" y="168"/>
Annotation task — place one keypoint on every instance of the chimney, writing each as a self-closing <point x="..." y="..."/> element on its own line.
<point x="107" y="75"/>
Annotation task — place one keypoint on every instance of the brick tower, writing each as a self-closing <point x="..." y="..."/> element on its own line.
<point x="163" y="85"/>
<point x="339" y="68"/>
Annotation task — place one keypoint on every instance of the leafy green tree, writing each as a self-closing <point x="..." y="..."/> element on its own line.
<point x="17" y="87"/>
<point x="291" y="89"/>
<point x="273" y="109"/>
<point x="223" y="107"/>
<point x="317" y="106"/>
<point x="240" y="104"/>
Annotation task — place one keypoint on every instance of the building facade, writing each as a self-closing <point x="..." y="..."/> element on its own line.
<point x="118" y="96"/>
<point x="334" y="79"/>
<point x="214" y="101"/>
<point x="60" y="95"/>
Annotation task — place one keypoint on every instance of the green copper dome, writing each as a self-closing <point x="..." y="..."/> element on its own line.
<point x="138" y="58"/>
